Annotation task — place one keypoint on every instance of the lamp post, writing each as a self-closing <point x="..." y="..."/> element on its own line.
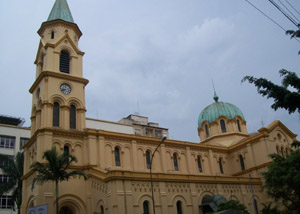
<point x="162" y="140"/>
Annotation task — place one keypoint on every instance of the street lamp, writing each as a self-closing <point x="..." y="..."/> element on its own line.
<point x="162" y="140"/>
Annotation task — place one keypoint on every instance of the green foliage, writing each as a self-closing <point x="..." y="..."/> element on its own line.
<point x="269" y="210"/>
<point x="55" y="169"/>
<point x="14" y="170"/>
<point x="283" y="97"/>
<point x="294" y="33"/>
<point x="282" y="179"/>
<point x="232" y="205"/>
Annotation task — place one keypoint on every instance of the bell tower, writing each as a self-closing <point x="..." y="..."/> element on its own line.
<point x="58" y="92"/>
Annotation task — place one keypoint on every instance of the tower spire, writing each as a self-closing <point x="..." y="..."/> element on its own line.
<point x="61" y="10"/>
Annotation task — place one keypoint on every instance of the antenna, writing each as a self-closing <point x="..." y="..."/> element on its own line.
<point x="212" y="81"/>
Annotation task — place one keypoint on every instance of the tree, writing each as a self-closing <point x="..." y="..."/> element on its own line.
<point x="282" y="178"/>
<point x="283" y="97"/>
<point x="55" y="169"/>
<point x="13" y="168"/>
<point x="267" y="209"/>
<point x="232" y="205"/>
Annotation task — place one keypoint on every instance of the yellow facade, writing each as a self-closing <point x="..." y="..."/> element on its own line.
<point x="124" y="188"/>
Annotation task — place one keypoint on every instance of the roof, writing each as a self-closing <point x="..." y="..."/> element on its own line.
<point x="217" y="109"/>
<point x="61" y="10"/>
<point x="14" y="121"/>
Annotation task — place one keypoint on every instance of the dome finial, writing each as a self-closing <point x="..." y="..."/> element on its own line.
<point x="216" y="98"/>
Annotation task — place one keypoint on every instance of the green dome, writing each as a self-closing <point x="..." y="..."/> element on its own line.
<point x="217" y="109"/>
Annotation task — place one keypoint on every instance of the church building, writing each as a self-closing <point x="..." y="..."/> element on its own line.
<point x="188" y="178"/>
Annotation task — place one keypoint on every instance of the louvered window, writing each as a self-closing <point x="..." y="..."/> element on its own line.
<point x="56" y="114"/>
<point x="64" y="65"/>
<point x="72" y="117"/>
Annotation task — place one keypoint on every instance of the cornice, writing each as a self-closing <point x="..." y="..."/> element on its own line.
<point x="247" y="171"/>
<point x="45" y="74"/>
<point x="161" y="177"/>
<point x="62" y="22"/>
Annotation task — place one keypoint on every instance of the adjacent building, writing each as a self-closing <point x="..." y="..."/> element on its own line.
<point x="187" y="176"/>
<point x="12" y="138"/>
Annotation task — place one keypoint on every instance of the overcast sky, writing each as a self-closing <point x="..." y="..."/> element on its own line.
<point x="157" y="58"/>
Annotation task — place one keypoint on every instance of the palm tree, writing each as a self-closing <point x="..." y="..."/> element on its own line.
<point x="13" y="169"/>
<point x="55" y="169"/>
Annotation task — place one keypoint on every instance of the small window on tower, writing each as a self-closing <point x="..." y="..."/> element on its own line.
<point x="64" y="65"/>
<point x="52" y="35"/>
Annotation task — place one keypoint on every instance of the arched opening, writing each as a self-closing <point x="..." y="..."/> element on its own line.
<point x="179" y="207"/>
<point x="64" y="65"/>
<point x="146" y="209"/>
<point x="101" y="209"/>
<point x="242" y="162"/>
<point x="117" y="156"/>
<point x="176" y="168"/>
<point x="56" y="114"/>
<point x="210" y="204"/>
<point x="148" y="160"/>
<point x="66" y="210"/>
<point x="72" y="117"/>
<point x="52" y="35"/>
<point x="221" y="165"/>
<point x="206" y="130"/>
<point x="199" y="163"/>
<point x="223" y="126"/>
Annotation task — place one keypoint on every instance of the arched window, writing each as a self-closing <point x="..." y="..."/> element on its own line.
<point x="148" y="159"/>
<point x="238" y="125"/>
<point x="221" y="166"/>
<point x="146" y="207"/>
<point x="223" y="126"/>
<point x="66" y="153"/>
<point x="52" y="35"/>
<point x="72" y="117"/>
<point x="101" y="209"/>
<point x="117" y="156"/>
<point x="242" y="162"/>
<point x="179" y="207"/>
<point x="175" y="162"/>
<point x="206" y="130"/>
<point x="64" y="65"/>
<point x="56" y="114"/>
<point x="199" y="163"/>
